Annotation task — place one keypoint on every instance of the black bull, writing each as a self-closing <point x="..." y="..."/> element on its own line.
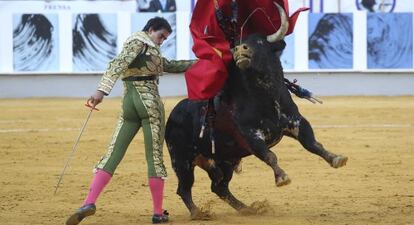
<point x="253" y="112"/>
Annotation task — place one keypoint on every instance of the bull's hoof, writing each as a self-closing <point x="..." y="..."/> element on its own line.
<point x="248" y="211"/>
<point x="282" y="180"/>
<point x="339" y="161"/>
<point x="257" y="208"/>
<point x="201" y="215"/>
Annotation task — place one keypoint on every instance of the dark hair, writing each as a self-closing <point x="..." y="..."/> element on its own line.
<point x="157" y="23"/>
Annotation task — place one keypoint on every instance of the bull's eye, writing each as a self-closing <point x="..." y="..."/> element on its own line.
<point x="260" y="42"/>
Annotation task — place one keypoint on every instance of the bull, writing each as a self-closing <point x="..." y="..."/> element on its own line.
<point x="253" y="112"/>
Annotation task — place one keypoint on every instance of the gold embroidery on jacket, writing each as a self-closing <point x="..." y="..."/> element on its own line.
<point x="150" y="62"/>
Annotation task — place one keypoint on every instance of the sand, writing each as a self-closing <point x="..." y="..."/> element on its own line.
<point x="375" y="187"/>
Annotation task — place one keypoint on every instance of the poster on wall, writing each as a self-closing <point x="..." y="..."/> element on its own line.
<point x="316" y="6"/>
<point x="389" y="40"/>
<point x="94" y="41"/>
<point x="330" y="41"/>
<point x="192" y="4"/>
<point x="35" y="42"/>
<point x="168" y="48"/>
<point x="375" y="5"/>
<point x="157" y="5"/>
<point x="288" y="55"/>
<point x="192" y="55"/>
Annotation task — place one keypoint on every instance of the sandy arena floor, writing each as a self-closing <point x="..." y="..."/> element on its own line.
<point x="375" y="187"/>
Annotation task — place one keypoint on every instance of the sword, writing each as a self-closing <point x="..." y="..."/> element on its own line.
<point x="74" y="148"/>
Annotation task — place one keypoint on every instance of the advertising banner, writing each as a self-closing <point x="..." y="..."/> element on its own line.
<point x="385" y="6"/>
<point x="330" y="41"/>
<point x="69" y="6"/>
<point x="390" y="40"/>
<point x="288" y="56"/>
<point x="94" y="41"/>
<point x="35" y="42"/>
<point x="63" y="37"/>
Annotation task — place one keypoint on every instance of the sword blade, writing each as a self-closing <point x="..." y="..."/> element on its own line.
<point x="74" y="148"/>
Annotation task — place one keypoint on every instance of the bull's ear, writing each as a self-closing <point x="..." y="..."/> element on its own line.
<point x="278" y="46"/>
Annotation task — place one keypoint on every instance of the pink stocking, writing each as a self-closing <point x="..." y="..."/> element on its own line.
<point x="156" y="185"/>
<point x="100" y="180"/>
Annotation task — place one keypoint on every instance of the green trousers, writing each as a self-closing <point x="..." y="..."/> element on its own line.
<point x="141" y="107"/>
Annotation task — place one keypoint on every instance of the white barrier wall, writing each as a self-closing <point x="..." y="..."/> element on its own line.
<point x="321" y="84"/>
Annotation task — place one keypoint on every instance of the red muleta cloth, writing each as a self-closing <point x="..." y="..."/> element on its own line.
<point x="208" y="75"/>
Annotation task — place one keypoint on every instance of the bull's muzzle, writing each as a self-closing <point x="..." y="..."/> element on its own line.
<point x="242" y="56"/>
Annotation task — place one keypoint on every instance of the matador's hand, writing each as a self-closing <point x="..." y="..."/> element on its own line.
<point x="95" y="99"/>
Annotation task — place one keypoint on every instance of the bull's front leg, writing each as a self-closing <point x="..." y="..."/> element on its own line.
<point x="257" y="146"/>
<point x="281" y="178"/>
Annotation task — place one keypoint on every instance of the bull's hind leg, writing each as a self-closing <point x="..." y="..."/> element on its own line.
<point x="221" y="187"/>
<point x="304" y="134"/>
<point x="185" y="175"/>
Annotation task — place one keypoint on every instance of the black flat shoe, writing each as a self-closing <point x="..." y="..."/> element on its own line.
<point x="160" y="218"/>
<point x="81" y="213"/>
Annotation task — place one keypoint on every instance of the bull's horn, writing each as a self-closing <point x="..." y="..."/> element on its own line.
<point x="284" y="25"/>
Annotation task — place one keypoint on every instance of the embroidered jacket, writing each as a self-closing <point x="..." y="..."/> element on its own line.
<point x="140" y="56"/>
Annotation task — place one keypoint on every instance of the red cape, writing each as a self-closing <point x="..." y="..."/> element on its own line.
<point x="208" y="75"/>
